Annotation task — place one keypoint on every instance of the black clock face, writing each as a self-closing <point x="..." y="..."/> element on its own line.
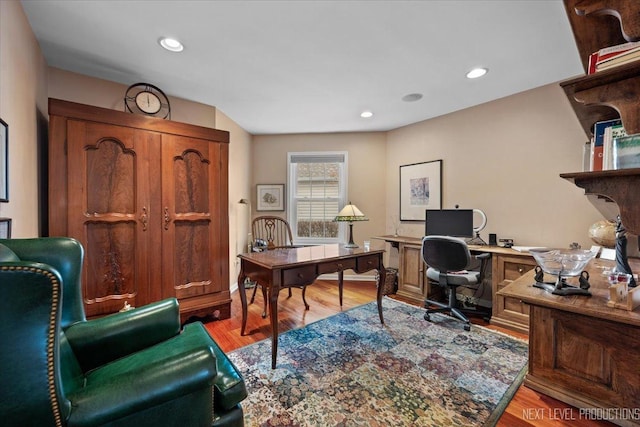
<point x="146" y="99"/>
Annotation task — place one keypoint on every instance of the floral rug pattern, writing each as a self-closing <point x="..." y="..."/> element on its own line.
<point x="350" y="370"/>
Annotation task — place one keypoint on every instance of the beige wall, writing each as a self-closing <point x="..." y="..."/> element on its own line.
<point x="504" y="157"/>
<point x="366" y="174"/>
<point x="107" y="94"/>
<point x="23" y="106"/>
<point x="366" y="177"/>
<point x="239" y="188"/>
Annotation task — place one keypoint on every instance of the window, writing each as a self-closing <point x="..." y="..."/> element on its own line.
<point x="317" y="190"/>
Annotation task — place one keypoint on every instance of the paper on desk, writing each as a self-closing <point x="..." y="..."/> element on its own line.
<point x="524" y="248"/>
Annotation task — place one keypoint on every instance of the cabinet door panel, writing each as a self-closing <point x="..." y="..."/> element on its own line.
<point x="108" y="212"/>
<point x="192" y="241"/>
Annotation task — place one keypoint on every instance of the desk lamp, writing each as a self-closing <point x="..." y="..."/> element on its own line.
<point x="350" y="213"/>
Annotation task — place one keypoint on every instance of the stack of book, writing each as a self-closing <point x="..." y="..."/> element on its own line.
<point x="611" y="147"/>
<point x="613" y="56"/>
<point x="602" y="143"/>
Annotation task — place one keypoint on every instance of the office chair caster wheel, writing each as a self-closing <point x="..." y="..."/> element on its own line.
<point x="427" y="317"/>
<point x="467" y="327"/>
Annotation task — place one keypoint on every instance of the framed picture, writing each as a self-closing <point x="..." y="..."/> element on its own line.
<point x="4" y="161"/>
<point x="5" y="228"/>
<point x="420" y="189"/>
<point x="270" y="197"/>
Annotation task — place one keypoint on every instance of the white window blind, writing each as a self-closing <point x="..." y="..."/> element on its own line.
<point x="317" y="183"/>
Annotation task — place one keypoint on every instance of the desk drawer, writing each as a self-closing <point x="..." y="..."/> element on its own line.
<point x="335" y="266"/>
<point x="299" y="275"/>
<point x="367" y="263"/>
<point x="514" y="270"/>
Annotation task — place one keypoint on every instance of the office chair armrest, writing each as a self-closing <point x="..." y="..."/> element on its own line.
<point x="483" y="256"/>
<point x="484" y="262"/>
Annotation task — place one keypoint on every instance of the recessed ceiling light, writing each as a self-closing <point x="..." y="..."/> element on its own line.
<point x="412" y="97"/>
<point x="366" y="114"/>
<point x="477" y="72"/>
<point x="171" y="44"/>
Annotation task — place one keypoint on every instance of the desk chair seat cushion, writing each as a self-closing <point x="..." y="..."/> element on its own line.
<point x="455" y="279"/>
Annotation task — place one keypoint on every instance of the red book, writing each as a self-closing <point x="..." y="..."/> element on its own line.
<point x="608" y="53"/>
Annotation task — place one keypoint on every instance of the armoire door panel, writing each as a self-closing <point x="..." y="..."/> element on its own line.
<point x="190" y="183"/>
<point x="109" y="212"/>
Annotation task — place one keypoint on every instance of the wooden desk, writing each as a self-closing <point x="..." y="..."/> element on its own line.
<point x="506" y="265"/>
<point x="283" y="268"/>
<point x="581" y="351"/>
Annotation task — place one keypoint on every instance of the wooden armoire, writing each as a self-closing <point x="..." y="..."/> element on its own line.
<point x="148" y="199"/>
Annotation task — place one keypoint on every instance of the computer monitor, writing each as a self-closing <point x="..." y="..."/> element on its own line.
<point x="449" y="222"/>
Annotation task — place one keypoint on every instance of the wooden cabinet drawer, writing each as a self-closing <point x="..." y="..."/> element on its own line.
<point x="513" y="270"/>
<point x="335" y="266"/>
<point x="367" y="263"/>
<point x="299" y="275"/>
<point x="514" y="305"/>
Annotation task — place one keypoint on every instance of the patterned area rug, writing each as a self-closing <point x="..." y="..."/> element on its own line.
<point x="349" y="370"/>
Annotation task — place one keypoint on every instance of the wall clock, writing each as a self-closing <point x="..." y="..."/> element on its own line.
<point x="148" y="100"/>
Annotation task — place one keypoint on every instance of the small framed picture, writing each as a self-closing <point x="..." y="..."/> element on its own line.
<point x="270" y="197"/>
<point x="5" y="228"/>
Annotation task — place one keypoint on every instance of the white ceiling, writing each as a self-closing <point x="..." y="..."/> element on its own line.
<point x="313" y="66"/>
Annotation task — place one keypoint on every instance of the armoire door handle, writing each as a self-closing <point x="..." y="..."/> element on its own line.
<point x="144" y="218"/>
<point x="167" y="219"/>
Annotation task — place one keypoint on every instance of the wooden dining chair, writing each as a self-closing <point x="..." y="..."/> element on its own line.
<point x="272" y="232"/>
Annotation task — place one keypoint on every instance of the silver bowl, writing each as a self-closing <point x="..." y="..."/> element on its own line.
<point x="562" y="262"/>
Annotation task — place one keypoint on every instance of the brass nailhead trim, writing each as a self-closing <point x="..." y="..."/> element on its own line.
<point x="55" y="295"/>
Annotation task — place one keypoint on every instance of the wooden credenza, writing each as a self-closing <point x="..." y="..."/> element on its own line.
<point x="148" y="200"/>
<point x="506" y="266"/>
<point x="582" y="351"/>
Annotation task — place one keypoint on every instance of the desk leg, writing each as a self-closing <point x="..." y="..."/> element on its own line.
<point x="340" y="283"/>
<point x="243" y="297"/>
<point x="382" y="274"/>
<point x="274" y="291"/>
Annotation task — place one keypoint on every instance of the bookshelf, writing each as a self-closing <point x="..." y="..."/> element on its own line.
<point x="607" y="94"/>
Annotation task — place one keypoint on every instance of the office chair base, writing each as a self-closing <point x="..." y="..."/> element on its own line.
<point x="443" y="308"/>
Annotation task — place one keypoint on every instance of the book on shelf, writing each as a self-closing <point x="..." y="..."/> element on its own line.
<point x="597" y="148"/>
<point x="626" y="152"/>
<point x="624" y="58"/>
<point x="608" y="53"/>
<point x="610" y="133"/>
<point x="586" y="156"/>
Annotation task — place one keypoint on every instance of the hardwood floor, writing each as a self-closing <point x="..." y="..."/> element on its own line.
<point x="527" y="408"/>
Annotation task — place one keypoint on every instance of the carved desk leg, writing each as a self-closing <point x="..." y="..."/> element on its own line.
<point x="243" y="296"/>
<point x="274" y="291"/>
<point x="382" y="274"/>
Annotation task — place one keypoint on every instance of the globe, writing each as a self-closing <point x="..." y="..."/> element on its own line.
<point x="603" y="233"/>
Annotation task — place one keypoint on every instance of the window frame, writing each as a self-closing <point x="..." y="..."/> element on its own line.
<point x="292" y="200"/>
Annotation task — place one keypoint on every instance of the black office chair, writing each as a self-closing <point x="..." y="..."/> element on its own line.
<point x="447" y="259"/>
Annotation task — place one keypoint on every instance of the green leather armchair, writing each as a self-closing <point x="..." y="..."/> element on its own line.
<point x="135" y="368"/>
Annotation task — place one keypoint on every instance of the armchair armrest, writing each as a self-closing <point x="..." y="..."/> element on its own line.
<point x="103" y="340"/>
<point x="176" y="368"/>
<point x="228" y="386"/>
